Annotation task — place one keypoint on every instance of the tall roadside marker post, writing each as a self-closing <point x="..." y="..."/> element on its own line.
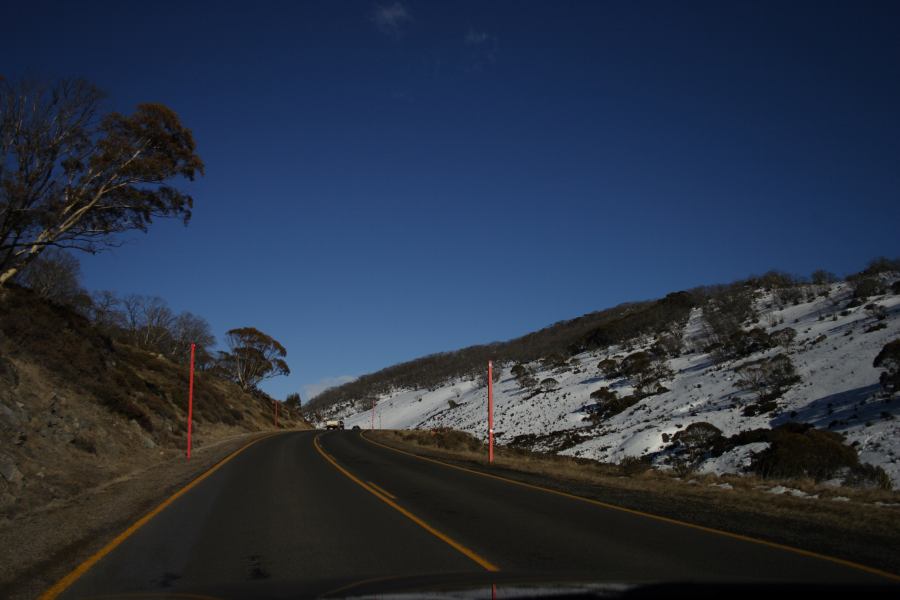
<point x="490" y="411"/>
<point x="190" y="402"/>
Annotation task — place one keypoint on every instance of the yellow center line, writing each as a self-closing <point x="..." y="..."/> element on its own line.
<point x="483" y="562"/>
<point x="63" y="584"/>
<point x="737" y="536"/>
<point x="382" y="490"/>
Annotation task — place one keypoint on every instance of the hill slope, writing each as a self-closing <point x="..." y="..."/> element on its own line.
<point x="79" y="409"/>
<point x="826" y="334"/>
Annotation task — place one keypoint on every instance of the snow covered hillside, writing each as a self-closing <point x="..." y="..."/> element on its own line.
<point x="832" y="347"/>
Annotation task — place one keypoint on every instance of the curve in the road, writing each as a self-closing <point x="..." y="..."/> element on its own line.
<point x="307" y="512"/>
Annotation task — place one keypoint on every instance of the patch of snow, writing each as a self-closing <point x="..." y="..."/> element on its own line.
<point x="780" y="490"/>
<point x="736" y="460"/>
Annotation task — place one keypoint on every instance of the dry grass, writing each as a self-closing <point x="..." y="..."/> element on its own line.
<point x="82" y="409"/>
<point x="747" y="496"/>
<point x="40" y="547"/>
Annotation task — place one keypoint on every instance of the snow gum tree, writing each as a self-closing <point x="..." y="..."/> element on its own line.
<point x="253" y="356"/>
<point x="71" y="177"/>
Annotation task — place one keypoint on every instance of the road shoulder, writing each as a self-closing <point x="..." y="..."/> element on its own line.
<point x="866" y="535"/>
<point x="39" y="548"/>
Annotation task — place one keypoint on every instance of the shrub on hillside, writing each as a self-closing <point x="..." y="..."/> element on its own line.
<point x="775" y="280"/>
<point x="554" y="361"/>
<point x="868" y="287"/>
<point x="634" y="465"/>
<point x="609" y="368"/>
<point x="549" y="384"/>
<point x="452" y="439"/>
<point x="877" y="267"/>
<point x="783" y="337"/>
<point x="667" y="345"/>
<point x="790" y="296"/>
<point x="823" y="277"/>
<point x="645" y="371"/>
<point x="603" y="395"/>
<point x="691" y="445"/>
<point x="889" y="360"/>
<point x="635" y="364"/>
<point x="768" y="379"/>
<point x="743" y="343"/>
<point x="726" y="312"/>
<point x="798" y="450"/>
<point x="610" y="404"/>
<point x="84" y="443"/>
<point x="697" y="436"/>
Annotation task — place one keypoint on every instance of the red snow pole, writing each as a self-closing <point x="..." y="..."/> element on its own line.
<point x="190" y="402"/>
<point x="490" y="411"/>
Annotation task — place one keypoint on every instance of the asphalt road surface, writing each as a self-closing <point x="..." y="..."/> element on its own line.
<point x="311" y="513"/>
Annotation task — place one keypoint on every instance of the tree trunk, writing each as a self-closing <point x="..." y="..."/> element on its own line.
<point x="7" y="275"/>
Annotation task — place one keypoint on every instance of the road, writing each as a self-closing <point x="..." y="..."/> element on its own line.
<point x="313" y="512"/>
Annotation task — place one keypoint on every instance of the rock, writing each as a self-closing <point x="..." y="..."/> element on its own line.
<point x="9" y="471"/>
<point x="7" y="499"/>
<point x="148" y="443"/>
<point x="8" y="416"/>
<point x="9" y="375"/>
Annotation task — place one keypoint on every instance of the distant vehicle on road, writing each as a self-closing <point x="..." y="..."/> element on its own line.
<point x="355" y="427"/>
<point x="334" y="424"/>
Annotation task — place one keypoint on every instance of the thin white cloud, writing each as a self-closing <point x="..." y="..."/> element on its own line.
<point x="390" y="18"/>
<point x="481" y="50"/>
<point x="314" y="389"/>
<point x="476" y="38"/>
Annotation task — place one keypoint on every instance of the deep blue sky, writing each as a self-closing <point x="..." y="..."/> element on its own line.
<point x="386" y="180"/>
